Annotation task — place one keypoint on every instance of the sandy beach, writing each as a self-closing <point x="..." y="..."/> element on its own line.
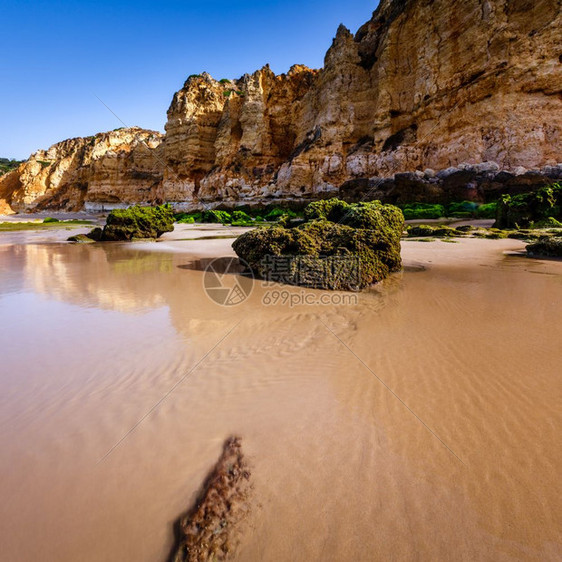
<point x="421" y="422"/>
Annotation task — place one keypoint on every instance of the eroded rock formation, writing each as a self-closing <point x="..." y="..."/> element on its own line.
<point x="424" y="86"/>
<point x="124" y="165"/>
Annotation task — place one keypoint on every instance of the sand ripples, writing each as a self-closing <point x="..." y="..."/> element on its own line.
<point x="343" y="468"/>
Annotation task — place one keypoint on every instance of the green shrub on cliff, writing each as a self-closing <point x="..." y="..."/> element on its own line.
<point x="461" y="210"/>
<point x="138" y="222"/>
<point x="322" y="252"/>
<point x="7" y="165"/>
<point x="186" y="220"/>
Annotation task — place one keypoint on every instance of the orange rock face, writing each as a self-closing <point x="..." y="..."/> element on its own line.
<point x="425" y="84"/>
<point x="120" y="167"/>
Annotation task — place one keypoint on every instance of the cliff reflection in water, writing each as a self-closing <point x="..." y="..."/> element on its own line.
<point x="114" y="277"/>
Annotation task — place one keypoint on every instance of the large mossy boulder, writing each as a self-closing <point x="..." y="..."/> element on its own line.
<point x="548" y="247"/>
<point x="138" y="222"/>
<point x="525" y="209"/>
<point x="340" y="246"/>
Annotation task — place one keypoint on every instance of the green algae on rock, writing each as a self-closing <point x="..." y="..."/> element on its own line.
<point x="548" y="247"/>
<point x="213" y="216"/>
<point x="81" y="239"/>
<point x="138" y="222"/>
<point x="521" y="211"/>
<point x="437" y="231"/>
<point x="132" y="223"/>
<point x="341" y="246"/>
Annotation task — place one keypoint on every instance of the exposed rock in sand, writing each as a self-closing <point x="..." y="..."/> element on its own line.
<point x="209" y="531"/>
<point x="548" y="247"/>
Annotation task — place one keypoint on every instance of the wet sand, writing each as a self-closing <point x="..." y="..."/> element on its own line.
<point x="421" y="423"/>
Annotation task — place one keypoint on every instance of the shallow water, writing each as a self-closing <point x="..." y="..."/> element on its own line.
<point x="422" y="422"/>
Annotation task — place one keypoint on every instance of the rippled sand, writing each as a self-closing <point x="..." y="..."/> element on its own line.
<point x="422" y="423"/>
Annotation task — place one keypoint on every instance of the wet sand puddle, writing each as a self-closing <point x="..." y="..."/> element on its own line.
<point x="422" y="422"/>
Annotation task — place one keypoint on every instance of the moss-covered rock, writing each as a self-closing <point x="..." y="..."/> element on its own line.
<point x="138" y="222"/>
<point x="371" y="215"/>
<point x="276" y="213"/>
<point x="487" y="211"/>
<point x="417" y="211"/>
<point x="549" y="222"/>
<point x="466" y="228"/>
<point x="81" y="239"/>
<point x="462" y="210"/>
<point x="326" y="209"/>
<point x="437" y="231"/>
<point x="325" y="252"/>
<point x="549" y="247"/>
<point x="240" y="216"/>
<point x="213" y="216"/>
<point x="521" y="211"/>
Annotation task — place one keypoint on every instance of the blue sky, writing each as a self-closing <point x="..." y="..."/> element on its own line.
<point x="58" y="55"/>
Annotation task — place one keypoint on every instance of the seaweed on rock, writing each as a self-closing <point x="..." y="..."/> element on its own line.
<point x="437" y="231"/>
<point x="341" y="246"/>
<point x="521" y="211"/>
<point x="138" y="222"/>
<point x="132" y="223"/>
<point x="548" y="247"/>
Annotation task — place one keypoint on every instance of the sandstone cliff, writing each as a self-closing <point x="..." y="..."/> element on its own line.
<point x="471" y="89"/>
<point x="122" y="166"/>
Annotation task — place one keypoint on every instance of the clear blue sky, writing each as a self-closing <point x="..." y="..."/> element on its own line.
<point x="58" y="55"/>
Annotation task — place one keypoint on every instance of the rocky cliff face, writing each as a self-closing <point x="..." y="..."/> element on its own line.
<point x="471" y="89"/>
<point x="120" y="167"/>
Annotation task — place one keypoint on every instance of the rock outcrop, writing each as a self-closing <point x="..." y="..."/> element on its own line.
<point x="210" y="531"/>
<point x="120" y="167"/>
<point x="133" y="223"/>
<point x="429" y="100"/>
<point x="548" y="247"/>
<point x="338" y="247"/>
